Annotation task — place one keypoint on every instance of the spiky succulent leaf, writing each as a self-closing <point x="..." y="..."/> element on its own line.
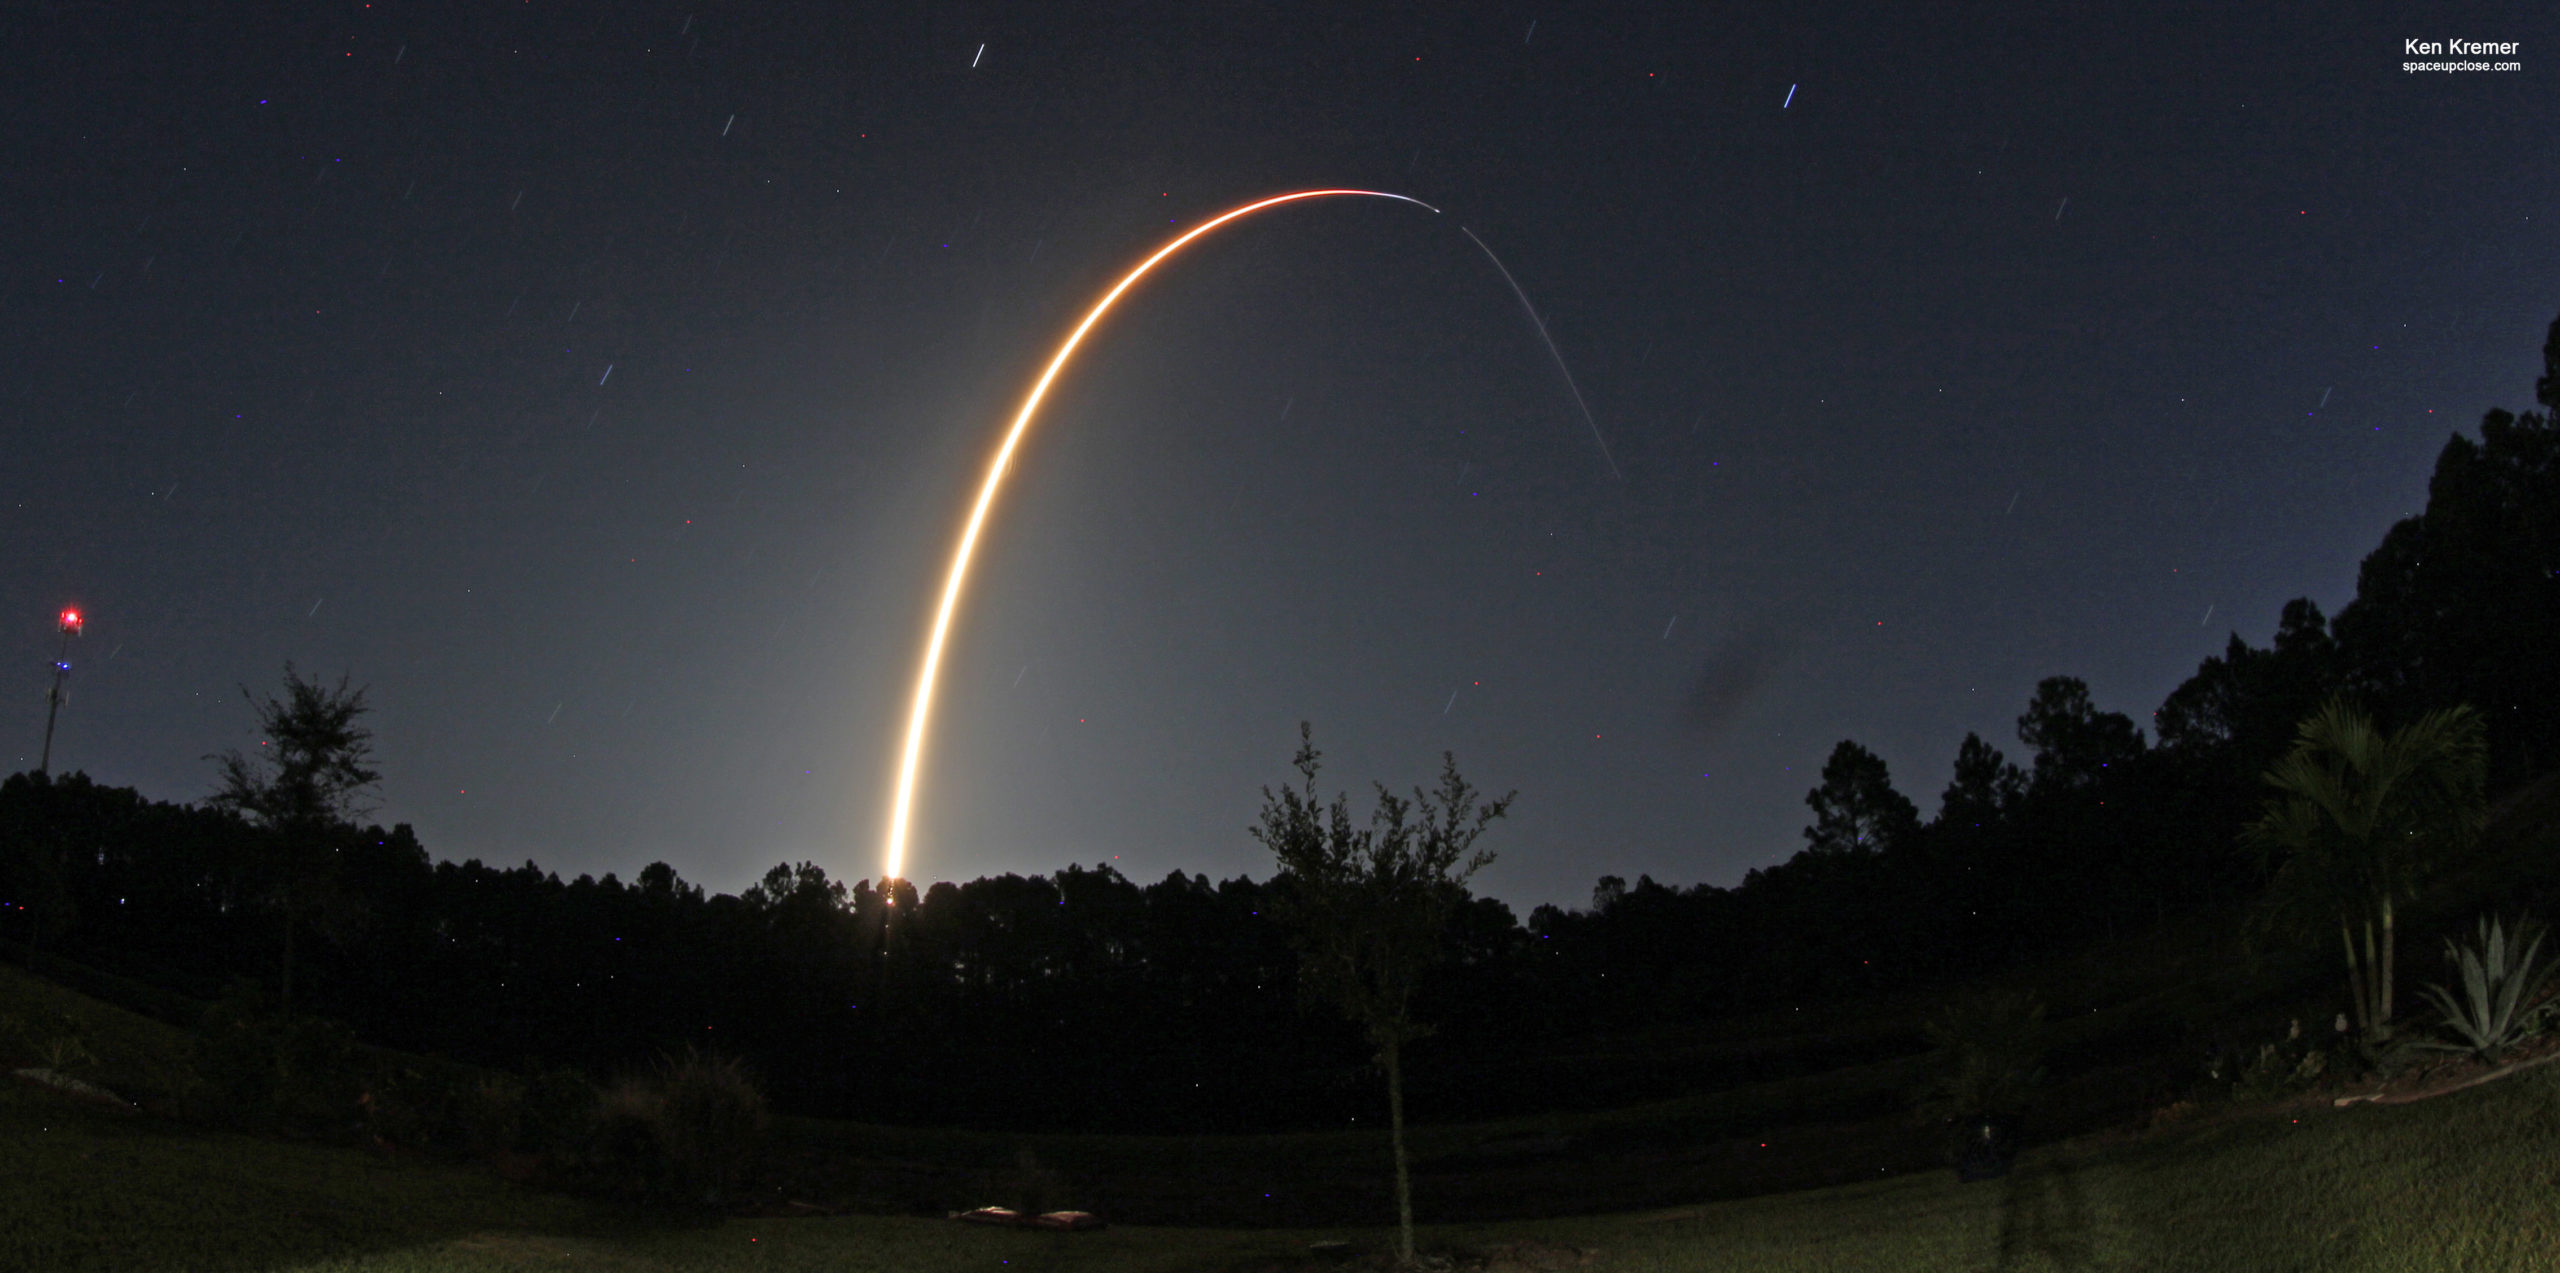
<point x="2502" y="975"/>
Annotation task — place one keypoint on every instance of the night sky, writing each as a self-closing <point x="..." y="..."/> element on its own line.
<point x="600" y="386"/>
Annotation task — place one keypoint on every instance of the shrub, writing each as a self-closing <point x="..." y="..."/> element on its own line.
<point x="2503" y="974"/>
<point x="392" y="1112"/>
<point x="1988" y="1062"/>
<point x="52" y="1040"/>
<point x="320" y="1076"/>
<point x="236" y="1059"/>
<point x="624" y="1155"/>
<point x="713" y="1124"/>
<point x="419" y="1104"/>
<point x="685" y="1134"/>
<point x="493" y="1116"/>
<point x="2278" y="1070"/>
<point x="260" y="1068"/>
<point x="1990" y="1049"/>
<point x="557" y="1115"/>
<point x="2269" y="1071"/>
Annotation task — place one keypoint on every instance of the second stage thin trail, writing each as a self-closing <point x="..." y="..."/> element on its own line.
<point x="1552" y="351"/>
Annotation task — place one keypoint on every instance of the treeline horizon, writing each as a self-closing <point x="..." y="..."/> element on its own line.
<point x="1084" y="1000"/>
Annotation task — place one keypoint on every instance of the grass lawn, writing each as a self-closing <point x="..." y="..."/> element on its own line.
<point x="2466" y="1181"/>
<point x="1789" y="1133"/>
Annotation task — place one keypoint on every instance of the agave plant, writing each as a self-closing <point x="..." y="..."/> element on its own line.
<point x="2503" y="975"/>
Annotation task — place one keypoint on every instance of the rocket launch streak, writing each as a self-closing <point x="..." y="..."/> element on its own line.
<point x="910" y="758"/>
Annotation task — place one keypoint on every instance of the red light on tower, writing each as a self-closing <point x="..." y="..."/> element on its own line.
<point x="53" y="698"/>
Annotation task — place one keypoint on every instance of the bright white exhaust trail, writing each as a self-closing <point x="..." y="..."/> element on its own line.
<point x="920" y="711"/>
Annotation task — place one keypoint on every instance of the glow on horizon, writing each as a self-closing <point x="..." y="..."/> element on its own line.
<point x="911" y="757"/>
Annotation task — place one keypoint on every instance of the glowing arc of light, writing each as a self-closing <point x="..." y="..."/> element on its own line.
<point x="920" y="711"/>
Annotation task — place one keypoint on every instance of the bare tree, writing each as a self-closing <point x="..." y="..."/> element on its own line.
<point x="1367" y="909"/>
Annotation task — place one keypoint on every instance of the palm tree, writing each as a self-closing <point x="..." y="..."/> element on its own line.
<point x="2361" y="819"/>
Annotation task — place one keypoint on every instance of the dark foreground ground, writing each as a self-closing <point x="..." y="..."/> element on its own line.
<point x="2464" y="1181"/>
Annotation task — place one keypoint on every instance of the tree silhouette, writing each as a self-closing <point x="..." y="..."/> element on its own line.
<point x="1985" y="787"/>
<point x="36" y="853"/>
<point x="1368" y="908"/>
<point x="2239" y="710"/>
<point x="2362" y="818"/>
<point x="1856" y="810"/>
<point x="2075" y="743"/>
<point x="306" y="781"/>
<point x="2461" y="603"/>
